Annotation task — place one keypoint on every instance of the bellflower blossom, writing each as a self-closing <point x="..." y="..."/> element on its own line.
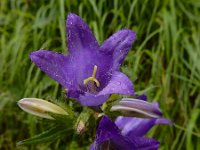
<point x="109" y="136"/>
<point x="127" y="133"/>
<point x="89" y="73"/>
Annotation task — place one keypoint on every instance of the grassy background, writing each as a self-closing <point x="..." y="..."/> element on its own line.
<point x="164" y="62"/>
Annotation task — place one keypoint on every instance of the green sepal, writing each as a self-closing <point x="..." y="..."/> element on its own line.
<point x="67" y="108"/>
<point x="108" y="104"/>
<point x="62" y="120"/>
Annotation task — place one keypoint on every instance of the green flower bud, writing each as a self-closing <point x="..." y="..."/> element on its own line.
<point x="39" y="107"/>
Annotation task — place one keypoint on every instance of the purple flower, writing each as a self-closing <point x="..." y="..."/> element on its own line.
<point x="127" y="133"/>
<point x="89" y="73"/>
<point x="109" y="136"/>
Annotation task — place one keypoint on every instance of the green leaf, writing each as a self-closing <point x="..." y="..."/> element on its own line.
<point x="49" y="135"/>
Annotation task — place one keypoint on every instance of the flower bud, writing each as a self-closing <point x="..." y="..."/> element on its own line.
<point x="137" y="108"/>
<point x="40" y="107"/>
<point x="81" y="127"/>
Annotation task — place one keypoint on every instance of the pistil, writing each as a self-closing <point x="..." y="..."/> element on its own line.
<point x="92" y="80"/>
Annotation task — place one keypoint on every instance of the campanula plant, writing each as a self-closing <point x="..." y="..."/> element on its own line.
<point x="90" y="72"/>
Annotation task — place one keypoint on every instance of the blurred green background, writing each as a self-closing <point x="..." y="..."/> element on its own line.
<point x="164" y="62"/>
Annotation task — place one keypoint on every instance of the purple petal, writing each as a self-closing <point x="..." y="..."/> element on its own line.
<point x="134" y="126"/>
<point x="88" y="99"/>
<point x="84" y="51"/>
<point x="92" y="146"/>
<point x="119" y="84"/>
<point x="106" y="130"/>
<point x="131" y="126"/>
<point x="108" y="136"/>
<point x="163" y="121"/>
<point x="122" y="121"/>
<point x="143" y="143"/>
<point x="137" y="108"/>
<point x="118" y="46"/>
<point x="73" y="93"/>
<point x="79" y="35"/>
<point x="142" y="97"/>
<point x="82" y="66"/>
<point x="55" y="65"/>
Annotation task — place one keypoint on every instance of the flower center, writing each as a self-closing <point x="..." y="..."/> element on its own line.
<point x="92" y="80"/>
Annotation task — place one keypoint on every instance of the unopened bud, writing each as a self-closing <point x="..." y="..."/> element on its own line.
<point x="40" y="107"/>
<point x="80" y="127"/>
<point x="137" y="108"/>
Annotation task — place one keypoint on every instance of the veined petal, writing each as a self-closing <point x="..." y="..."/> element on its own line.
<point x="119" y="84"/>
<point x="40" y="107"/>
<point x="143" y="143"/>
<point x="108" y="136"/>
<point x="137" y="108"/>
<point x="55" y="65"/>
<point x="131" y="126"/>
<point x="84" y="51"/>
<point x="83" y="62"/>
<point x="118" y="46"/>
<point x="79" y="35"/>
<point x="88" y="99"/>
<point x="163" y="121"/>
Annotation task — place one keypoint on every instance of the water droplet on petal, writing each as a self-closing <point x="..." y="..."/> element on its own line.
<point x="112" y="89"/>
<point x="123" y="87"/>
<point x="118" y="83"/>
